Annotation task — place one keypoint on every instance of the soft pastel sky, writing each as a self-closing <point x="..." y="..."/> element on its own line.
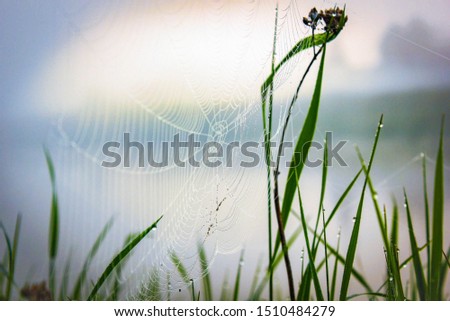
<point x="215" y="50"/>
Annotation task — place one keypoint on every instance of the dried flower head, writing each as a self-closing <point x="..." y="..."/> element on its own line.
<point x="329" y="19"/>
<point x="313" y="18"/>
<point x="36" y="292"/>
<point x="332" y="19"/>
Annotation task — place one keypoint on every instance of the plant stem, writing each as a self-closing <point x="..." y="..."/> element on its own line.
<point x="267" y="138"/>
<point x="294" y="99"/>
<point x="276" y="189"/>
<point x="284" y="247"/>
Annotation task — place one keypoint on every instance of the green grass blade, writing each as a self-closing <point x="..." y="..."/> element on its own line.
<point x="302" y="148"/>
<point x="119" y="257"/>
<point x="65" y="279"/>
<point x="335" y="268"/>
<point x="427" y="214"/>
<point x="9" y="253"/>
<point x="12" y="262"/>
<point x="117" y="287"/>
<point x="444" y="271"/>
<point x="396" y="286"/>
<point x="381" y="218"/>
<point x="267" y="137"/>
<point x="304" y="289"/>
<point x="311" y="257"/>
<point x="3" y="263"/>
<point x="395" y="270"/>
<point x="8" y="243"/>
<point x="394" y="224"/>
<point x="357" y="275"/>
<point x="369" y="294"/>
<point x="182" y="271"/>
<point x="205" y="273"/>
<point x="4" y="271"/>
<point x="53" y="237"/>
<point x="275" y="263"/>
<point x="438" y="222"/>
<point x="193" y="291"/>
<point x="420" y="276"/>
<point x="343" y="197"/>
<point x="340" y="201"/>
<point x="351" y="251"/>
<point x="326" y="257"/>
<point x="322" y="192"/>
<point x="238" y="277"/>
<point x="76" y="295"/>
<point x="405" y="262"/>
<point x="255" y="278"/>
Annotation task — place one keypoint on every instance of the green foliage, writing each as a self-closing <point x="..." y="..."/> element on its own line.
<point x="115" y="262"/>
<point x="76" y="295"/>
<point x="437" y="229"/>
<point x="53" y="237"/>
<point x="207" y="289"/>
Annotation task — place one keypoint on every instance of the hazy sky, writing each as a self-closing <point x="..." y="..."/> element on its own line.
<point x="69" y="49"/>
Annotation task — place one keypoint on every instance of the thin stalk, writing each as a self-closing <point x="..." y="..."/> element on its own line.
<point x="12" y="262"/>
<point x="291" y="105"/>
<point x="284" y="247"/>
<point x="333" y="282"/>
<point x="427" y="215"/>
<point x="326" y="256"/>
<point x="269" y="153"/>
<point x="276" y="188"/>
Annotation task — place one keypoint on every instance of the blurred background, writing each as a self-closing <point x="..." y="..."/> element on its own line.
<point x="77" y="74"/>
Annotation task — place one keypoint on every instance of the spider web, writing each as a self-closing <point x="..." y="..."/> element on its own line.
<point x="193" y="81"/>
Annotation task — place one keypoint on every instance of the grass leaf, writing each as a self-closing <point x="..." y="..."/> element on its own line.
<point x="63" y="289"/>
<point x="302" y="148"/>
<point x="335" y="268"/>
<point x="438" y="222"/>
<point x="238" y="277"/>
<point x="444" y="271"/>
<point x="311" y="271"/>
<point x="205" y="273"/>
<point x="119" y="257"/>
<point x="53" y="237"/>
<point x="182" y="271"/>
<point x="420" y="276"/>
<point x="357" y="275"/>
<point x="427" y="213"/>
<point x="394" y="224"/>
<point x="351" y="251"/>
<point x="76" y="295"/>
